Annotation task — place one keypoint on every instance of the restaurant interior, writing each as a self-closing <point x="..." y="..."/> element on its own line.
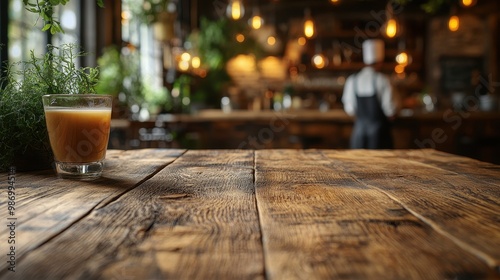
<point x="259" y="74"/>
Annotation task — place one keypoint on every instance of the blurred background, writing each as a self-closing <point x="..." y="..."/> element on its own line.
<point x="256" y="74"/>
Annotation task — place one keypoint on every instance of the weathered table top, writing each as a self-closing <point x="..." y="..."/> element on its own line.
<point x="265" y="214"/>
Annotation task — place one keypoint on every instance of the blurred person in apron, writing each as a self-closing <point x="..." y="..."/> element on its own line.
<point x="368" y="96"/>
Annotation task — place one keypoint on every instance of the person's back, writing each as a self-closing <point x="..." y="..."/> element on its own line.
<point x="368" y="96"/>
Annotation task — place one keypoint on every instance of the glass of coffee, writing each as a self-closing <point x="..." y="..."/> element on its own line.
<point x="78" y="127"/>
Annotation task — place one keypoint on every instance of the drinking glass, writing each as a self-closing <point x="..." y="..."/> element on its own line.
<point x="78" y="127"/>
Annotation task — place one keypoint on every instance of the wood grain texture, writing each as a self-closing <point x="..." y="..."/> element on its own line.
<point x="195" y="219"/>
<point x="265" y="214"/>
<point x="321" y="218"/>
<point x="464" y="207"/>
<point x="46" y="205"/>
<point x="474" y="169"/>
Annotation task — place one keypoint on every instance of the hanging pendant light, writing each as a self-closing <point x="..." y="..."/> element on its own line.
<point x="453" y="21"/>
<point x="256" y="21"/>
<point x="309" y="29"/>
<point x="235" y="9"/>
<point x="468" y="3"/>
<point x="195" y="62"/>
<point x="391" y="28"/>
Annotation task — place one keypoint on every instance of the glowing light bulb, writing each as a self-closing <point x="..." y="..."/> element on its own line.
<point x="256" y="22"/>
<point x="391" y="28"/>
<point x="402" y="58"/>
<point x="453" y="23"/>
<point x="309" y="28"/>
<point x="185" y="56"/>
<point x="468" y="3"/>
<point x="196" y="62"/>
<point x="183" y="65"/>
<point x="235" y="9"/>
<point x="319" y="61"/>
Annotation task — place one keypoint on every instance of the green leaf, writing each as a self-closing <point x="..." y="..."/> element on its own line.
<point x="46" y="27"/>
<point x="45" y="17"/>
<point x="100" y="3"/>
<point x="53" y="29"/>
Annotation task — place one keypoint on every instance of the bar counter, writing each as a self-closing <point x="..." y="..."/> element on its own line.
<point x="257" y="214"/>
<point x="471" y="133"/>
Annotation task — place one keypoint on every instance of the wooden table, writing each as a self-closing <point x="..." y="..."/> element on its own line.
<point x="258" y="214"/>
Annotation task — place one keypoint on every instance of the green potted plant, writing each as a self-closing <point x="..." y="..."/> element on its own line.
<point x="23" y="134"/>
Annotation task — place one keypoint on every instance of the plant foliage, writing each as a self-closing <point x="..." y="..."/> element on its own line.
<point x="45" y="10"/>
<point x="22" y="120"/>
<point x="146" y="11"/>
<point x="120" y="76"/>
<point x="119" y="73"/>
<point x="216" y="44"/>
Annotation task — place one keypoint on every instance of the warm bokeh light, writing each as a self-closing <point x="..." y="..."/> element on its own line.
<point x="235" y="9"/>
<point x="391" y="28"/>
<point x="402" y="59"/>
<point x="453" y="23"/>
<point x="335" y="1"/>
<point x="399" y="69"/>
<point x="319" y="61"/>
<point x="202" y="73"/>
<point x="183" y="65"/>
<point x="272" y="68"/>
<point x="125" y="17"/>
<point x="309" y="28"/>
<point x="240" y="37"/>
<point x="468" y="3"/>
<point x="271" y="40"/>
<point x="185" y="56"/>
<point x="195" y="62"/>
<point x="301" y="41"/>
<point x="256" y="22"/>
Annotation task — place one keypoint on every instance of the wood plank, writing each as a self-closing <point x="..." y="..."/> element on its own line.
<point x="46" y="206"/>
<point x="475" y="169"/>
<point x="320" y="222"/>
<point x="195" y="219"/>
<point x="463" y="207"/>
